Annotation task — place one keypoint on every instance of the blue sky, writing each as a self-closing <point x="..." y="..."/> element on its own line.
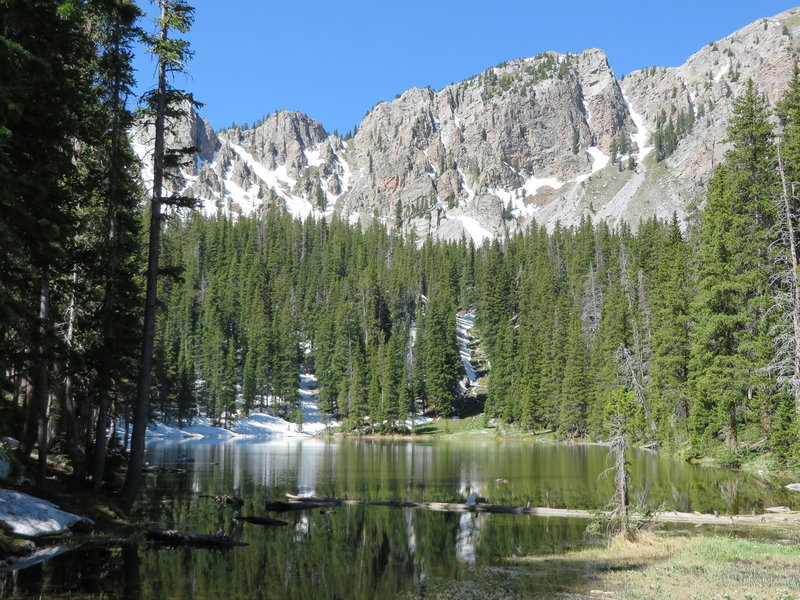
<point x="335" y="60"/>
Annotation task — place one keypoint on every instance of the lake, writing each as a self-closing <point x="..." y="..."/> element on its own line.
<point x="365" y="552"/>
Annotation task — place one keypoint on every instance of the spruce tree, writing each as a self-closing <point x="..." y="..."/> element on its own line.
<point x="729" y="342"/>
<point x="442" y="365"/>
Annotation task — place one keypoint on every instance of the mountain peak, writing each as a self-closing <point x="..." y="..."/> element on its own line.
<point x="549" y="138"/>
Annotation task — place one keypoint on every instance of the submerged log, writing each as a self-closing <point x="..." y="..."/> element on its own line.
<point x="281" y="507"/>
<point x="173" y="537"/>
<point x="262" y="521"/>
<point x="782" y="518"/>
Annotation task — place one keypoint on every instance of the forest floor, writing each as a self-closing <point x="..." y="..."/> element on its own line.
<point x="61" y="489"/>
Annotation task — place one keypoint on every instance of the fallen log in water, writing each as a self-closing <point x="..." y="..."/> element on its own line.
<point x="281" y="507"/>
<point x="261" y="521"/>
<point x="782" y="518"/>
<point x="173" y="537"/>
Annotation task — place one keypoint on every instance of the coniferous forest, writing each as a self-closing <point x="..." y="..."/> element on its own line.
<point x="695" y="321"/>
<point x="693" y="325"/>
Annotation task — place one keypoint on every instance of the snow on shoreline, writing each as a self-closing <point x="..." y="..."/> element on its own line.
<point x="257" y="425"/>
<point x="28" y="516"/>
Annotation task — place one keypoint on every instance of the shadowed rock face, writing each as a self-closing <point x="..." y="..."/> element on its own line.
<point x="528" y="140"/>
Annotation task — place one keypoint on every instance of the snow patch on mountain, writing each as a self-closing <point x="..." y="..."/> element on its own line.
<point x="464" y="186"/>
<point x="314" y="157"/>
<point x="476" y="231"/>
<point x="722" y="72"/>
<point x="278" y="180"/>
<point x="640" y="137"/>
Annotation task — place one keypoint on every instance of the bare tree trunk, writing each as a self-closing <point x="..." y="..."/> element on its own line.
<point x="133" y="478"/>
<point x="41" y="378"/>
<point x="16" y="377"/>
<point x="635" y="382"/>
<point x="30" y="407"/>
<point x="621" y="479"/>
<point x="69" y="424"/>
<point x="790" y="234"/>
<point x="592" y="304"/>
<point x="127" y="437"/>
<point x="37" y="398"/>
<point x="635" y="363"/>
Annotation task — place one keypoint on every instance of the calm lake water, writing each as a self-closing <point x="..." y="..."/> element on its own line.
<point x="364" y="552"/>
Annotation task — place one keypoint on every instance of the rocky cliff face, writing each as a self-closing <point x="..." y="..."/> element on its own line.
<point x="553" y="138"/>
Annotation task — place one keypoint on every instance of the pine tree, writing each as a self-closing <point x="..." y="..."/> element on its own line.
<point x="172" y="54"/>
<point x="728" y="352"/>
<point x="572" y="421"/>
<point x="115" y="165"/>
<point x="285" y="376"/>
<point x="671" y="295"/>
<point x="442" y="364"/>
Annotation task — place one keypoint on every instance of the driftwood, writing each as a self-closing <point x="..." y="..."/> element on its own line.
<point x="783" y="518"/>
<point x="261" y="521"/>
<point x="172" y="537"/>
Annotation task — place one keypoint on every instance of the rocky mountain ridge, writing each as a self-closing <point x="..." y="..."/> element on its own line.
<point x="553" y="138"/>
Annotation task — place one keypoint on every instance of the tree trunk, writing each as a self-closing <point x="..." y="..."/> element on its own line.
<point x="635" y="363"/>
<point x="794" y="286"/>
<point x="69" y="420"/>
<point x="41" y="378"/>
<point x="136" y="457"/>
<point x="111" y="293"/>
<point x="30" y="407"/>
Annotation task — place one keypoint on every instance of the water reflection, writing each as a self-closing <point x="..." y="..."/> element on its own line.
<point x="365" y="552"/>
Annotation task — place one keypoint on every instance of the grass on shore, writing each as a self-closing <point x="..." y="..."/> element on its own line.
<point x="675" y="568"/>
<point x="652" y="568"/>
<point x="479" y="426"/>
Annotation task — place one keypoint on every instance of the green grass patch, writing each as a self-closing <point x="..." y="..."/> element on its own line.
<point x="726" y="549"/>
<point x="475" y="425"/>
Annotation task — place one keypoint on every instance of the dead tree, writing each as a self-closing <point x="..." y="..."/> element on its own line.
<point x="592" y="304"/>
<point x="619" y="452"/>
<point x="634" y="364"/>
<point x="632" y="375"/>
<point x="787" y="337"/>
